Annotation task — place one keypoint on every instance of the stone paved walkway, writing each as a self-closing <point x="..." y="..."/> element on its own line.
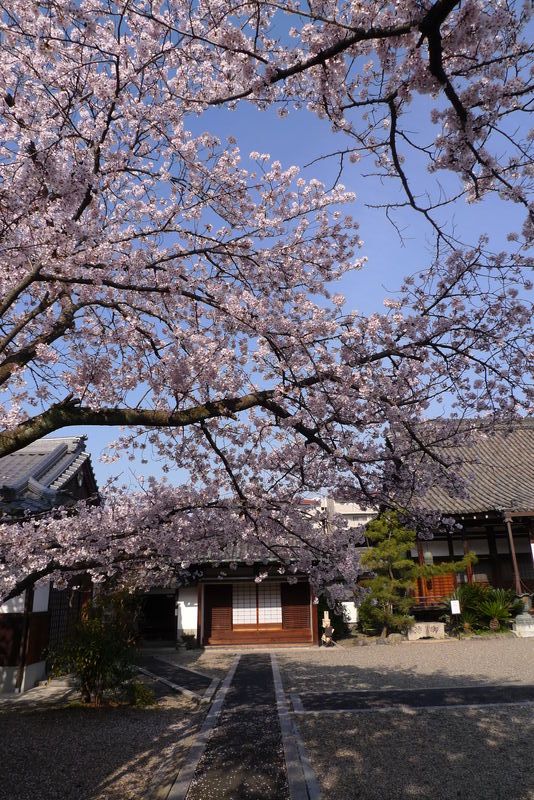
<point x="244" y="757"/>
<point x="412" y="698"/>
<point x="180" y="676"/>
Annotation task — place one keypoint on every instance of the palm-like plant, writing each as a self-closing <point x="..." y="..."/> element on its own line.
<point x="485" y="607"/>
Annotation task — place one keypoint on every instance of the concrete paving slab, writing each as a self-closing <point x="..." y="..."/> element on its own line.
<point x="176" y="675"/>
<point x="412" y="698"/>
<point x="244" y="758"/>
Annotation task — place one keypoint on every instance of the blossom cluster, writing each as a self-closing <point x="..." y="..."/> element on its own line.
<point x="152" y="276"/>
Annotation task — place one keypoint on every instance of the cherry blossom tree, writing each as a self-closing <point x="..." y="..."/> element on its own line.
<point x="151" y="279"/>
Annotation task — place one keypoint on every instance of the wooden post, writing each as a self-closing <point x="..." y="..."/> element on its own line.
<point x="469" y="568"/>
<point x="200" y="611"/>
<point x="494" y="557"/>
<point x="531" y="537"/>
<point x="24" y="641"/>
<point x="517" y="578"/>
<point x="421" y="581"/>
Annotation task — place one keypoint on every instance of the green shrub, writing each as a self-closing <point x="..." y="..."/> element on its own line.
<point x="375" y="617"/>
<point x="470" y="595"/>
<point x="498" y="607"/>
<point x="516" y="604"/>
<point x="469" y="620"/>
<point x="138" y="694"/>
<point x="483" y="607"/>
<point x="391" y="575"/>
<point x="100" y="650"/>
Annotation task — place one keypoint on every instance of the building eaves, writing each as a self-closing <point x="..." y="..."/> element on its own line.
<point x="497" y="469"/>
<point x="32" y="478"/>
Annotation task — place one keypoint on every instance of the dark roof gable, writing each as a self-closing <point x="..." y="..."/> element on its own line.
<point x="34" y="479"/>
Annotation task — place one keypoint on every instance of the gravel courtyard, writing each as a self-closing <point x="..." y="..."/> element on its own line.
<point x="473" y="753"/>
<point x="52" y="751"/>
<point x="67" y="753"/>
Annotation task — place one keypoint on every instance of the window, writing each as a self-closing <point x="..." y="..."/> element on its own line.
<point x="256" y="604"/>
<point x="244" y="604"/>
<point x="269" y="603"/>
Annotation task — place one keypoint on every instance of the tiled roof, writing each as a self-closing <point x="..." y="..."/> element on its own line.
<point x="498" y="470"/>
<point x="238" y="552"/>
<point x="32" y="479"/>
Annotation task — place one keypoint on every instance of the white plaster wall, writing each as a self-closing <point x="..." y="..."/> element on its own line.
<point x="350" y="612"/>
<point x="479" y="546"/>
<point x="187" y="610"/>
<point x="14" y="606"/>
<point x="41" y="594"/>
<point x="440" y="549"/>
<point x="503" y="545"/>
<point x="32" y="674"/>
<point x="8" y="679"/>
<point x="458" y="548"/>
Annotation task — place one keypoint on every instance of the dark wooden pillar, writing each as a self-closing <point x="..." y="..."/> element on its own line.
<point x="496" y="567"/>
<point x="24" y="641"/>
<point x="200" y="611"/>
<point x="517" y="578"/>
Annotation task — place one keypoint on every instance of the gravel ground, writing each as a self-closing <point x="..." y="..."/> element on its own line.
<point x="214" y="663"/>
<point x="473" y="753"/>
<point x="411" y="665"/>
<point x="52" y="751"/>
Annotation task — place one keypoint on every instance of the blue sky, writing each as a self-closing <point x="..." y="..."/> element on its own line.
<point x="298" y="139"/>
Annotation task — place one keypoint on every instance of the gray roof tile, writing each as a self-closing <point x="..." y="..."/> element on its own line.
<point x="32" y="478"/>
<point x="498" y="470"/>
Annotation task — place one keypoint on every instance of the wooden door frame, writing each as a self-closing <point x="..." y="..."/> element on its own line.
<point x="312" y="628"/>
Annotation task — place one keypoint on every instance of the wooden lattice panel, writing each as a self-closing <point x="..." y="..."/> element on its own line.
<point x="295" y="605"/>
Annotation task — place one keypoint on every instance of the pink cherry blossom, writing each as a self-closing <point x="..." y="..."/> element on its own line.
<point x="150" y="280"/>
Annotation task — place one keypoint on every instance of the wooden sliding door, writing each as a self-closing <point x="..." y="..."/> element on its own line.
<point x="270" y="612"/>
<point x="295" y="606"/>
<point x="217" y="611"/>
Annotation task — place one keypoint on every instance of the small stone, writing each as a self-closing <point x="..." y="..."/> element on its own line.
<point x="395" y="638"/>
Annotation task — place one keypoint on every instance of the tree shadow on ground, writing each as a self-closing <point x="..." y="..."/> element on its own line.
<point x="473" y="752"/>
<point x="75" y="753"/>
<point x="56" y="751"/>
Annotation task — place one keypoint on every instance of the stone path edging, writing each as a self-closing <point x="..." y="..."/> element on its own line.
<point x="180" y="787"/>
<point x="171" y="685"/>
<point x="410" y="710"/>
<point x="182" y="666"/>
<point x="300" y="776"/>
<point x="301" y="780"/>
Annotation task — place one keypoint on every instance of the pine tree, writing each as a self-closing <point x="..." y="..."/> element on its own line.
<point x="392" y="574"/>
